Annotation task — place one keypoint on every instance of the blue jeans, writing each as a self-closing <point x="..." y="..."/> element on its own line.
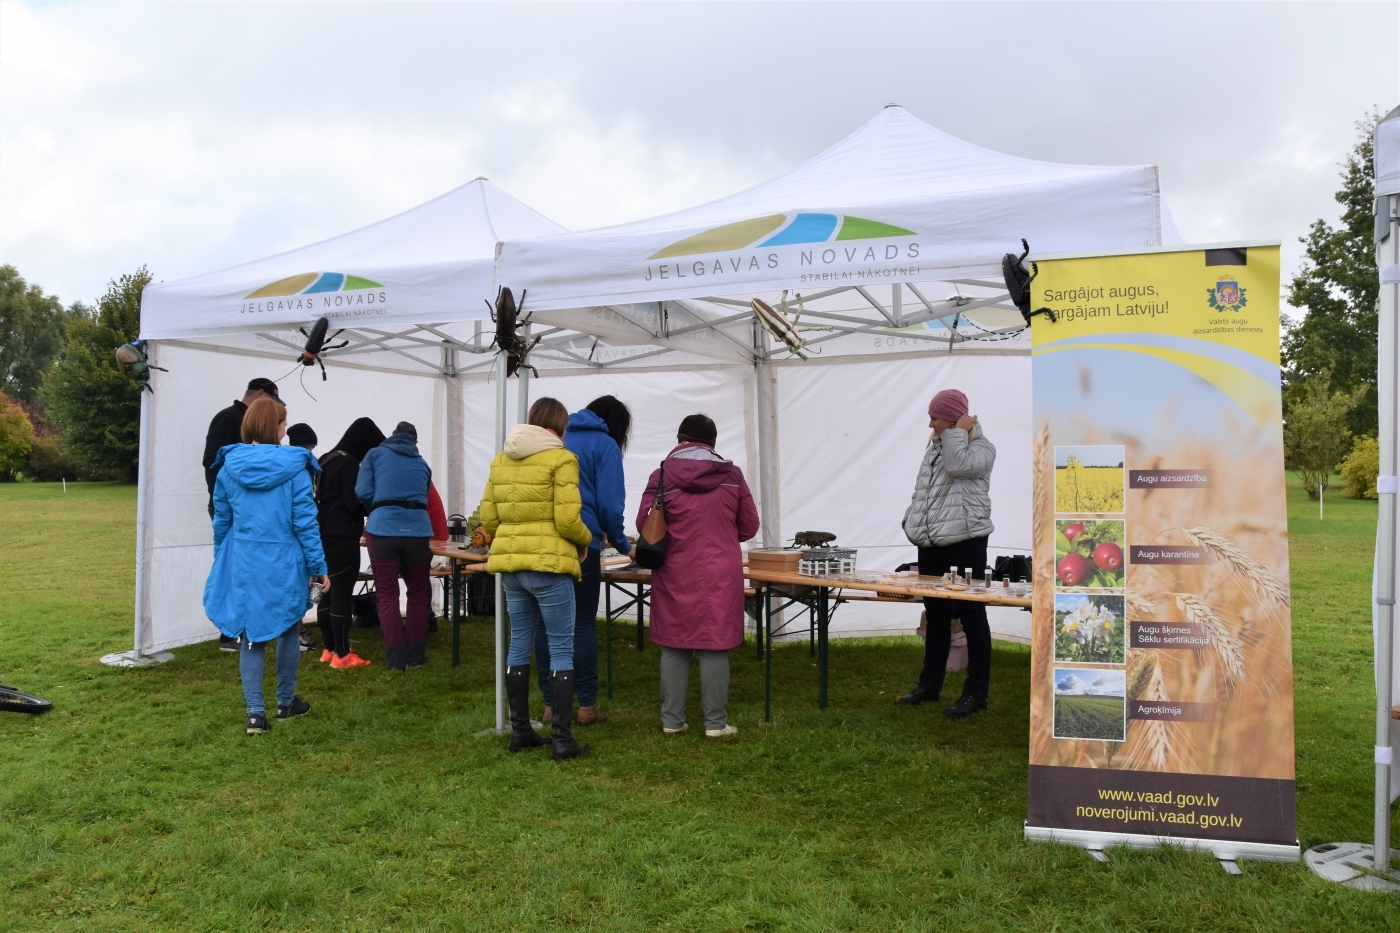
<point x="533" y="598"/>
<point x="252" y="662"/>
<point x="585" y="635"/>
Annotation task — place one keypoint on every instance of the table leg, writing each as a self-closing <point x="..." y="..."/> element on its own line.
<point x="456" y="613"/>
<point x="823" y="617"/>
<point x="758" y="623"/>
<point x="766" y="609"/>
<point x="607" y="633"/>
<point x="811" y="630"/>
<point x="641" y="632"/>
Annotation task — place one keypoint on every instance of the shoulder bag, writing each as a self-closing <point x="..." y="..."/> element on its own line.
<point x="651" y="547"/>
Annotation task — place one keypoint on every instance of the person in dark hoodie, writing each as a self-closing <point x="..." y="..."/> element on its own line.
<point x="393" y="488"/>
<point x="597" y="435"/>
<point x="342" y="518"/>
<point x="697" y="595"/>
<point x="266" y="554"/>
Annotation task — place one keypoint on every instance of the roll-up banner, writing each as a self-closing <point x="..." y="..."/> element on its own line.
<point x="1162" y="674"/>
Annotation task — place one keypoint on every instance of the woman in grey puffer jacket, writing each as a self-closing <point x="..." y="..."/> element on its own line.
<point x="949" y="520"/>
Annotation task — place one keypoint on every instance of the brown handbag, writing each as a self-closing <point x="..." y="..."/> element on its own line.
<point x="651" y="544"/>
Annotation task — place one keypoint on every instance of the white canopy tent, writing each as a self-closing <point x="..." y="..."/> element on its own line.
<point x="884" y="252"/>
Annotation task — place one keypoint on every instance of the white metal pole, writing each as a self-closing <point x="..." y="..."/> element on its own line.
<point x="500" y="587"/>
<point x="769" y="507"/>
<point x="456" y="484"/>
<point x="522" y="386"/>
<point x="1388" y="256"/>
<point x="143" y="499"/>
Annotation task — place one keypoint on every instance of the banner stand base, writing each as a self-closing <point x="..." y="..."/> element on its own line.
<point x="135" y="659"/>
<point x="1225" y="851"/>
<point x="1350" y="863"/>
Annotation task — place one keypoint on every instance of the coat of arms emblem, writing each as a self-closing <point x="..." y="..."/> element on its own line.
<point x="1226" y="296"/>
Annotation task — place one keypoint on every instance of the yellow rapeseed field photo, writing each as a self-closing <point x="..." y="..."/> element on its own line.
<point x="1092" y="489"/>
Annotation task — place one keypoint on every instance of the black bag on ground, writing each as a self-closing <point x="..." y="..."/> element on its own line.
<point x="481" y="594"/>
<point x="365" y="608"/>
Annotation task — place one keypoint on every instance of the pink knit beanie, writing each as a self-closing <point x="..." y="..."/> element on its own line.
<point x="948" y="405"/>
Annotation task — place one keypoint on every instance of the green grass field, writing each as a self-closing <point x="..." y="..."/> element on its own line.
<point x="1086" y="717"/>
<point x="138" y="804"/>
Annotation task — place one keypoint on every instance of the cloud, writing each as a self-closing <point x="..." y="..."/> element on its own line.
<point x="1093" y="683"/>
<point x="193" y="136"/>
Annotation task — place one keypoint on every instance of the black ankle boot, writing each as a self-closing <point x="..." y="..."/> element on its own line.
<point x="415" y="653"/>
<point x="522" y="734"/>
<point x="965" y="707"/>
<point x="561" y="685"/>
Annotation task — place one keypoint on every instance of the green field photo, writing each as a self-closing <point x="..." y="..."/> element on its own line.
<point x="1090" y="704"/>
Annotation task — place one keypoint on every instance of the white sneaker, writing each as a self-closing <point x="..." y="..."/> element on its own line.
<point x="684" y="726"/>
<point x="721" y="733"/>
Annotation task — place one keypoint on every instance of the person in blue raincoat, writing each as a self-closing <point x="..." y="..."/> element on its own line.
<point x="597" y="435"/>
<point x="267" y="553"/>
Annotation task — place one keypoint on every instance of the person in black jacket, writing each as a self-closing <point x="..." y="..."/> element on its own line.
<point x="342" y="519"/>
<point x="225" y="429"/>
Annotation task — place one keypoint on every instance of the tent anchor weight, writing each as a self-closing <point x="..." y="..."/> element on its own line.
<point x="135" y="658"/>
<point x="1352" y="864"/>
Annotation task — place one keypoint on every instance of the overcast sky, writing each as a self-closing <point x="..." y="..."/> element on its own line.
<point x="190" y="137"/>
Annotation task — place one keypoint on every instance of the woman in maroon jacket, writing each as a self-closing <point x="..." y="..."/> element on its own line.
<point x="697" y="596"/>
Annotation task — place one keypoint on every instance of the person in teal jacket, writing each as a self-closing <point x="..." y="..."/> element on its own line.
<point x="267" y="553"/>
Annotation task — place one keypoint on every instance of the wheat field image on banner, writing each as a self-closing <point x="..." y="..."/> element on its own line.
<point x="1172" y="424"/>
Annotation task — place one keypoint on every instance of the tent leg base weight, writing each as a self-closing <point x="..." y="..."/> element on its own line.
<point x="1350" y="863"/>
<point x="134" y="659"/>
<point x="504" y="730"/>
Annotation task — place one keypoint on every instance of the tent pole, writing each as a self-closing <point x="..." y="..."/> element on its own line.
<point x="1388" y="254"/>
<point x="456" y="447"/>
<point x="767" y="390"/>
<point x="137" y="657"/>
<point x="500" y="586"/>
<point x="522" y="388"/>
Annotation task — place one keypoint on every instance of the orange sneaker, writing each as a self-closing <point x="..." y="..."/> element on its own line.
<point x="350" y="660"/>
<point x="327" y="656"/>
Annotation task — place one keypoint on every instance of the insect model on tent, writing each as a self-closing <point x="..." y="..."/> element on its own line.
<point x="1018" y="283"/>
<point x="507" y="316"/>
<point x="316" y="344"/>
<point x="776" y="323"/>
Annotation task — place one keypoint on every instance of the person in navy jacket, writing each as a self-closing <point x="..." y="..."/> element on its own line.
<point x="393" y="487"/>
<point x="597" y="435"/>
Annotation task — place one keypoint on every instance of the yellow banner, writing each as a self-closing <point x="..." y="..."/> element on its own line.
<point x="1162" y="686"/>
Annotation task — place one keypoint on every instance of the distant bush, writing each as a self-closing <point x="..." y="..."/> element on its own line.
<point x="16" y="438"/>
<point x="1361" y="467"/>
<point x="48" y="462"/>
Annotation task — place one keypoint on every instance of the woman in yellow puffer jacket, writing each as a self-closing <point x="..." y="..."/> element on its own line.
<point x="532" y="508"/>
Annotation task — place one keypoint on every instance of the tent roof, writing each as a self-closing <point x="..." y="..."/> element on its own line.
<point x="431" y="263"/>
<point x="897" y="199"/>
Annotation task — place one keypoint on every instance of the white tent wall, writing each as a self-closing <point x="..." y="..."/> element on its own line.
<point x="852" y="432"/>
<point x="201" y="380"/>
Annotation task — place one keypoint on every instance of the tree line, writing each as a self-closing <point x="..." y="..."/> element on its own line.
<point x="1329" y="356"/>
<point x="67" y="411"/>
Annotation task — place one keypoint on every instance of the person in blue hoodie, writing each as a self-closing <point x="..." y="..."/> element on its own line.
<point x="597" y="435"/>
<point x="393" y="487"/>
<point x="267" y="553"/>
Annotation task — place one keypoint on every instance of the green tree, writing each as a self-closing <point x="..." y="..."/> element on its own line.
<point x="96" y="406"/>
<point x="1315" y="431"/>
<point x="16" y="438"/>
<point x="1337" y="288"/>
<point x="32" y="326"/>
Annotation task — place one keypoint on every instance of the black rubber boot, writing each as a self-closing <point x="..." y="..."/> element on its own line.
<point x="522" y="734"/>
<point x="561" y="688"/>
<point x="415" y="653"/>
<point x="396" y="657"/>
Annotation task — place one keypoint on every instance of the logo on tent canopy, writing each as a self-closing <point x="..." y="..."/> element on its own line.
<point x="780" y="230"/>
<point x="311" y="283"/>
